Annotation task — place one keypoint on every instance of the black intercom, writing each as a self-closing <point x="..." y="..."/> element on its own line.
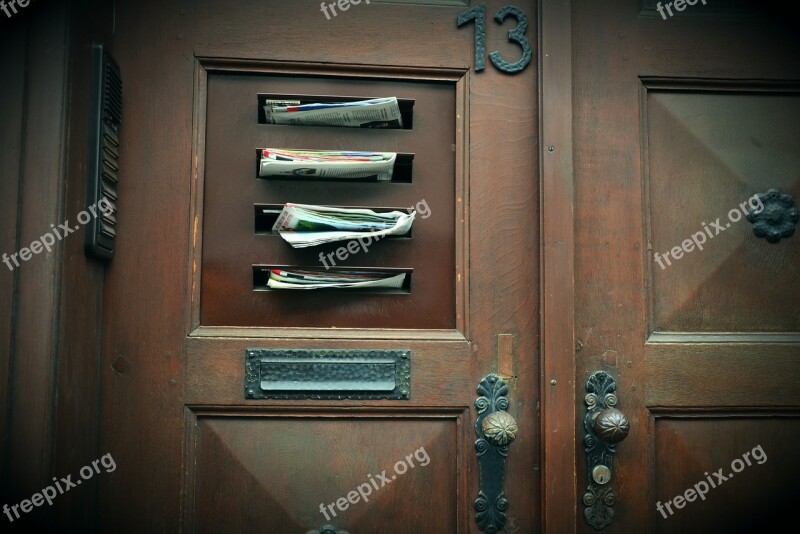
<point x="102" y="164"/>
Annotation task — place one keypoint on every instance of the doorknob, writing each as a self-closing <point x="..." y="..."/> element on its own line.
<point x="611" y="425"/>
<point x="496" y="429"/>
<point x="605" y="426"/>
<point x="499" y="428"/>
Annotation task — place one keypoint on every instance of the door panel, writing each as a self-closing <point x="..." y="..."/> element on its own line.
<point x="257" y="471"/>
<point x="184" y="304"/>
<point x="678" y="122"/>
<point x="757" y="482"/>
<point x="230" y="192"/>
<point x="707" y="153"/>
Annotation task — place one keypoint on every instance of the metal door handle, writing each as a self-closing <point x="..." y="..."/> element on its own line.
<point x="611" y="425"/>
<point x="605" y="427"/>
<point x="496" y="429"/>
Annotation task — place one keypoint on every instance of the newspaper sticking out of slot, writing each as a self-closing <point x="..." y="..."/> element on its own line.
<point x="303" y="279"/>
<point x="306" y="225"/>
<point x="372" y="113"/>
<point x="320" y="164"/>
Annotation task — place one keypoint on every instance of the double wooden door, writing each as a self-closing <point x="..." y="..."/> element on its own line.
<point x="657" y="135"/>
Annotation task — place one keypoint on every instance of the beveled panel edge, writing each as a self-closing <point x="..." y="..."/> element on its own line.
<point x="339" y="70"/>
<point x="438" y="3"/>
<point x="726" y="9"/>
<point x="723" y="337"/>
<point x="329" y="411"/>
<point x="719" y="85"/>
<point x="724" y="412"/>
<point x="261" y="333"/>
<point x="199" y="111"/>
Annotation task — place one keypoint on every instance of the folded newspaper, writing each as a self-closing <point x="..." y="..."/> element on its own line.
<point x="327" y="164"/>
<point x="304" y="225"/>
<point x="302" y="279"/>
<point x="374" y="113"/>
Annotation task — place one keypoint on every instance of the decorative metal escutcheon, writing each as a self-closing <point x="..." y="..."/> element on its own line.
<point x="776" y="218"/>
<point x="605" y="427"/>
<point x="496" y="429"/>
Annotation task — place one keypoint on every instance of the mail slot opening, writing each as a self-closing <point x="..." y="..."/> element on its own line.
<point x="401" y="172"/>
<point x="267" y="214"/>
<point x="406" y="106"/>
<point x="382" y="280"/>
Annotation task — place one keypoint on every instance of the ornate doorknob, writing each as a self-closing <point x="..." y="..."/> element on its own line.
<point x="611" y="425"/>
<point x="499" y="428"/>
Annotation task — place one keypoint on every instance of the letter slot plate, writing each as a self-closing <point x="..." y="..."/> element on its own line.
<point x="327" y="374"/>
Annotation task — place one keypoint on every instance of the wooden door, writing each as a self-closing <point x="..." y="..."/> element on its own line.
<point x="187" y="320"/>
<point x="678" y="122"/>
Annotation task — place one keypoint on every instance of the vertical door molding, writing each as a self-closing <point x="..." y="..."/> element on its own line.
<point x="557" y="267"/>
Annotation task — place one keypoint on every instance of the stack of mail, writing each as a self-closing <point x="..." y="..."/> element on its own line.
<point x="302" y="279"/>
<point x="304" y="225"/>
<point x="374" y="113"/>
<point x="326" y="164"/>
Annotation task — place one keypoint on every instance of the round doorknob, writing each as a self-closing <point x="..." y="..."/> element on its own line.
<point x="611" y="425"/>
<point x="499" y="428"/>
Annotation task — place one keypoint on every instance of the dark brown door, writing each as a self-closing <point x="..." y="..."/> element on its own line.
<point x="679" y="121"/>
<point x="197" y="450"/>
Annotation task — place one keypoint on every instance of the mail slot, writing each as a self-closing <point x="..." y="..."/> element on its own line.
<point x="327" y="374"/>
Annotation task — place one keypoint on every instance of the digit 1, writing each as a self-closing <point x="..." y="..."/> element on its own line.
<point x="478" y="14"/>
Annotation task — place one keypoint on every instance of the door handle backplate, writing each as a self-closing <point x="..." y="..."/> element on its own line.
<point x="496" y="429"/>
<point x="605" y="427"/>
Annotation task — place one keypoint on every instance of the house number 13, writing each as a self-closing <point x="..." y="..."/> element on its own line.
<point x="517" y="35"/>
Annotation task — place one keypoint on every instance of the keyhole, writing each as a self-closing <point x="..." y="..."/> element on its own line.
<point x="601" y="474"/>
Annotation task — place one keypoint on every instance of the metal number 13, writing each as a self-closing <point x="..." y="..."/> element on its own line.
<point x="517" y="35"/>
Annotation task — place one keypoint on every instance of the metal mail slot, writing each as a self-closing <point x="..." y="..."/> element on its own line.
<point x="327" y="374"/>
